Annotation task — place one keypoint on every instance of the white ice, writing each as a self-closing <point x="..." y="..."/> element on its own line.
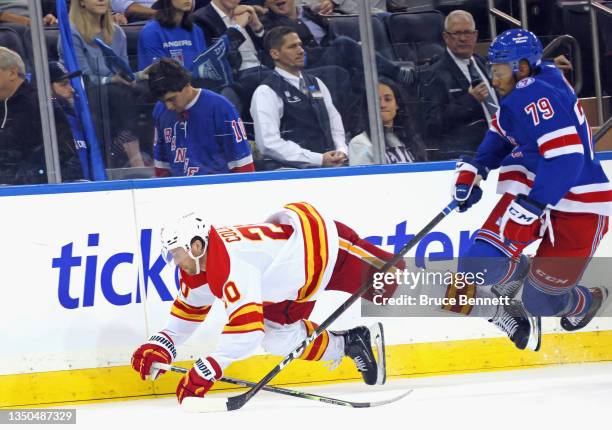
<point x="554" y="397"/>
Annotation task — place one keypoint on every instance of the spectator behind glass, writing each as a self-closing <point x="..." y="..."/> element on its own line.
<point x="458" y="99"/>
<point x="92" y="19"/>
<point x="134" y="10"/>
<point x="402" y="144"/>
<point x="197" y="132"/>
<point x="327" y="7"/>
<point x="16" y="11"/>
<point x="71" y="144"/>
<point x="296" y="122"/>
<point x="20" y="130"/>
<point x="70" y="136"/>
<point x="245" y="33"/>
<point x="171" y="34"/>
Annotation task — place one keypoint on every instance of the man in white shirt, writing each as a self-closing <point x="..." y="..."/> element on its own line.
<point x="296" y="123"/>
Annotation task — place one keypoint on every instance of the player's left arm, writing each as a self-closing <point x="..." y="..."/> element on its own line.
<point x="234" y="141"/>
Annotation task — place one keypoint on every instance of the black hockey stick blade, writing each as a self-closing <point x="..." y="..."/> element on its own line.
<point x="198" y="404"/>
<point x="238" y="401"/>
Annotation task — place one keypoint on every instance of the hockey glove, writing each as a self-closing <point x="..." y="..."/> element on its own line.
<point x="159" y="348"/>
<point x="199" y="380"/>
<point x="465" y="188"/>
<point x="521" y="222"/>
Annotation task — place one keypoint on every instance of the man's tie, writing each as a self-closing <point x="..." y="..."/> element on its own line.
<point x="489" y="102"/>
<point x="303" y="87"/>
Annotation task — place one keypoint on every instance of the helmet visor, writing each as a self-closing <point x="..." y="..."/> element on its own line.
<point x="176" y="256"/>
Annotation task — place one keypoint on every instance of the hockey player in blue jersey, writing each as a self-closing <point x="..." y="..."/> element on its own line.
<point x="197" y="132"/>
<point x="553" y="189"/>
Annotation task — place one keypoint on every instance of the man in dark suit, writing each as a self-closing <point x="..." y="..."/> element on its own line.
<point x="245" y="33"/>
<point x="242" y="26"/>
<point x="458" y="99"/>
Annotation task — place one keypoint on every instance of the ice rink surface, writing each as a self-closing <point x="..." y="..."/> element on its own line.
<point x="554" y="397"/>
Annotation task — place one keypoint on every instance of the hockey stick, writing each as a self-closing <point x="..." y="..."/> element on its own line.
<point x="238" y="401"/>
<point x="193" y="407"/>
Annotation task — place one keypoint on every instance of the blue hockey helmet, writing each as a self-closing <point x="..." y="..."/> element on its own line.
<point x="515" y="45"/>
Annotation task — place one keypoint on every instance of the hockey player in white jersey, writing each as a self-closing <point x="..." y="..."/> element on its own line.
<point x="269" y="276"/>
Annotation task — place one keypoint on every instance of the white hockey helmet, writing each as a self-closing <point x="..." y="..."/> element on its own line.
<point x="181" y="233"/>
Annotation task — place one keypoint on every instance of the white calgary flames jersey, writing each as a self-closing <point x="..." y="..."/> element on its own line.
<point x="289" y="257"/>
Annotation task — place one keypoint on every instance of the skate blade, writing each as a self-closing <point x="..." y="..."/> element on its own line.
<point x="535" y="333"/>
<point x="377" y="339"/>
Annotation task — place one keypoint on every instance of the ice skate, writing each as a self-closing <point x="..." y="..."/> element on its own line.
<point x="598" y="297"/>
<point x="524" y="330"/>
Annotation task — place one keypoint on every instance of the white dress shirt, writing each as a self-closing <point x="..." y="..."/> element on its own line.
<point x="247" y="50"/>
<point x="463" y="64"/>
<point x="267" y="111"/>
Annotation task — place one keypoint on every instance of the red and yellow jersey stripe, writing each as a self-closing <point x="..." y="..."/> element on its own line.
<point x="362" y="253"/>
<point x="316" y="349"/>
<point x="245" y="319"/>
<point x="316" y="248"/>
<point x="187" y="312"/>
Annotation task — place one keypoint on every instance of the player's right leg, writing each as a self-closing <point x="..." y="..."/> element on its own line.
<point x="502" y="269"/>
<point x="286" y="325"/>
<point x="551" y="288"/>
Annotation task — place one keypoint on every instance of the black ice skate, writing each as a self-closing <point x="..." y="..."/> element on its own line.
<point x="524" y="330"/>
<point x="598" y="297"/>
<point x="358" y="343"/>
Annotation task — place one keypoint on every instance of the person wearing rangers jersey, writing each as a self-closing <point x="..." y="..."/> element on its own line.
<point x="197" y="132"/>
<point x="269" y="277"/>
<point x="553" y="189"/>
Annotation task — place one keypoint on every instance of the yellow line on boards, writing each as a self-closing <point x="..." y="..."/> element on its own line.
<point x="403" y="361"/>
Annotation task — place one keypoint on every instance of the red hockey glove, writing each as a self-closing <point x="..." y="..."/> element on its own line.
<point x="465" y="188"/>
<point x="521" y="223"/>
<point x="159" y="348"/>
<point x="199" y="380"/>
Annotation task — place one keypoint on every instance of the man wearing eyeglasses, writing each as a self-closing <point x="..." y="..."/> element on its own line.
<point x="458" y="96"/>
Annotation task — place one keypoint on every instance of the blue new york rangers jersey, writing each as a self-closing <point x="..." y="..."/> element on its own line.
<point x="542" y="144"/>
<point x="156" y="42"/>
<point x="208" y="137"/>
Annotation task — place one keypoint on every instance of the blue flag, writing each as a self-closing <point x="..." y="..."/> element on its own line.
<point x="81" y="104"/>
<point x="213" y="64"/>
<point x="114" y="62"/>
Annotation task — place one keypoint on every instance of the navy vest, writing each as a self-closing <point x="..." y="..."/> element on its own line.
<point x="305" y="120"/>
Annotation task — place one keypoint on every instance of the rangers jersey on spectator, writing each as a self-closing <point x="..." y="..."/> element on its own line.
<point x="208" y="137"/>
<point x="542" y="143"/>
<point x="156" y="41"/>
<point x="289" y="257"/>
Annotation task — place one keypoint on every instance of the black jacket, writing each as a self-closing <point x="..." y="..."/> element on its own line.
<point x="454" y="121"/>
<point x="20" y="134"/>
<point x="70" y="164"/>
<point x="271" y="20"/>
<point x="314" y="50"/>
<point x="213" y="27"/>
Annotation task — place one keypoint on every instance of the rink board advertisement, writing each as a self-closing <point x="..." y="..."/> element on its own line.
<point x="84" y="282"/>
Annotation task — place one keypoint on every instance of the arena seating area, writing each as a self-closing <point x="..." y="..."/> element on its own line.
<point x="409" y="35"/>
